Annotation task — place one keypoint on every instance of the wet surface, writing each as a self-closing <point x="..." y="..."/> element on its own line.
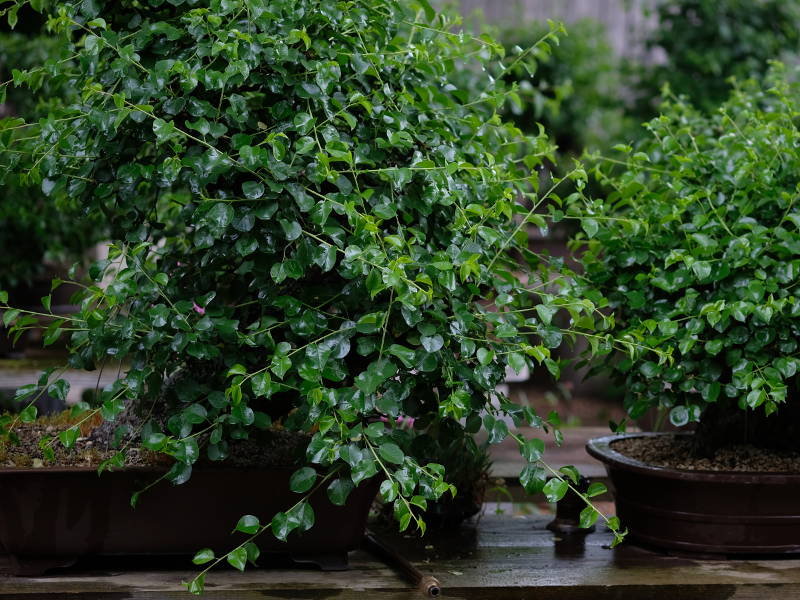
<point x="500" y="557"/>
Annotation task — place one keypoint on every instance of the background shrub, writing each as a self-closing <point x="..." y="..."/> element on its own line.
<point x="698" y="252"/>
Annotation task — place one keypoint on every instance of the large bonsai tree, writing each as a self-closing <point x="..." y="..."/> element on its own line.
<point x="698" y="251"/>
<point x="311" y="226"/>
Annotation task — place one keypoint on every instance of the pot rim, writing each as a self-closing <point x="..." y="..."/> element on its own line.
<point x="154" y="469"/>
<point x="600" y="448"/>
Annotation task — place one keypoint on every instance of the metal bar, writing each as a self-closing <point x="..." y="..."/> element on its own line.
<point x="427" y="584"/>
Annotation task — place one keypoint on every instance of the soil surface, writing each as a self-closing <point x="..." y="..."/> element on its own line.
<point x="676" y="452"/>
<point x="85" y="453"/>
<point x="272" y="448"/>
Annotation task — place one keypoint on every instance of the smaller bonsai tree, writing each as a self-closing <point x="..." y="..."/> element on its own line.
<point x="698" y="252"/>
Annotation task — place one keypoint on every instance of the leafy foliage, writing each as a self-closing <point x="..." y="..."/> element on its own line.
<point x="708" y="41"/>
<point x="573" y="90"/>
<point x="698" y="252"/>
<point x="311" y="226"/>
<point x="32" y="229"/>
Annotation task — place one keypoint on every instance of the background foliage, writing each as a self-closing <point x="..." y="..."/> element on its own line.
<point x="706" y="42"/>
<point x="33" y="230"/>
<point x="574" y="90"/>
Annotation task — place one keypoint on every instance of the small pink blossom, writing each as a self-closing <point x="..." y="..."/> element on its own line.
<point x="402" y="422"/>
<point x="407" y="422"/>
<point x="198" y="309"/>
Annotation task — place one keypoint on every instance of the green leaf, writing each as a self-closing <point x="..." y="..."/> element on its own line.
<point x="237" y="369"/>
<point x="532" y="450"/>
<point x="203" y="556"/>
<point x="590" y="226"/>
<point x="376" y="374"/>
<point x="389" y="490"/>
<point x="59" y="389"/>
<point x="588" y="517"/>
<point x="339" y="490"/>
<point x="546" y="312"/>
<point x="261" y="384"/>
<point x="248" y="524"/>
<point x="406" y="355"/>
<point x="252" y="552"/>
<point x="28" y="414"/>
<point x="571" y="472"/>
<point x="10" y="315"/>
<point x="253" y="189"/>
<point x="303" y="123"/>
<point x="701" y="269"/>
<point x="302" y="516"/>
<point x="391" y="453"/>
<point x="302" y="480"/>
<point x="197" y="585"/>
<point x="496" y="428"/>
<point x="533" y="478"/>
<point x="596" y="488"/>
<point x="432" y="343"/>
<point x="237" y="558"/>
<point x="517" y="362"/>
<point x="291" y="229"/>
<point x="555" y="489"/>
<point x="221" y="215"/>
<point x="485" y="356"/>
<point x="68" y="437"/>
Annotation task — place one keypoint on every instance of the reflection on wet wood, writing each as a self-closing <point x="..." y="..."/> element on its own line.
<point x="501" y="558"/>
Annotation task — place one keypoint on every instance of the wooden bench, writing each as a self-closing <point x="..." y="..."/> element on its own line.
<point x="502" y="557"/>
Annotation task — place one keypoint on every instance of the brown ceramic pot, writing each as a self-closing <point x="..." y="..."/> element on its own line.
<point x="49" y="517"/>
<point x="718" y="512"/>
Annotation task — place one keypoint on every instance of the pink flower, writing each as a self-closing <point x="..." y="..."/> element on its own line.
<point x="198" y="309"/>
<point x="405" y="422"/>
<point x="402" y="422"/>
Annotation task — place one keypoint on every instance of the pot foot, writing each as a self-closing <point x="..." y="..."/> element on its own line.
<point x="29" y="566"/>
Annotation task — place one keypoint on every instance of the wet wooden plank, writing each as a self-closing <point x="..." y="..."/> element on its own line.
<point x="500" y="558"/>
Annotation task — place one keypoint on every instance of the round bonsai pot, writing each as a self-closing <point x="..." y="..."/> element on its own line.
<point x="719" y="512"/>
<point x="50" y="517"/>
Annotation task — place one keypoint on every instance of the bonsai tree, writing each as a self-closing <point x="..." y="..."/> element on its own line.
<point x="311" y="228"/>
<point x="697" y="252"/>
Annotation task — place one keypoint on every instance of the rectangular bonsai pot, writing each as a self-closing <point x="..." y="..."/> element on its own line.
<point x="50" y="517"/>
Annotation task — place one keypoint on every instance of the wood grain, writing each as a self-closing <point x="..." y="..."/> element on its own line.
<point x="501" y="558"/>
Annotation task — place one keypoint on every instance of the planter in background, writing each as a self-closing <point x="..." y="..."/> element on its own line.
<point x="719" y="512"/>
<point x="50" y="517"/>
